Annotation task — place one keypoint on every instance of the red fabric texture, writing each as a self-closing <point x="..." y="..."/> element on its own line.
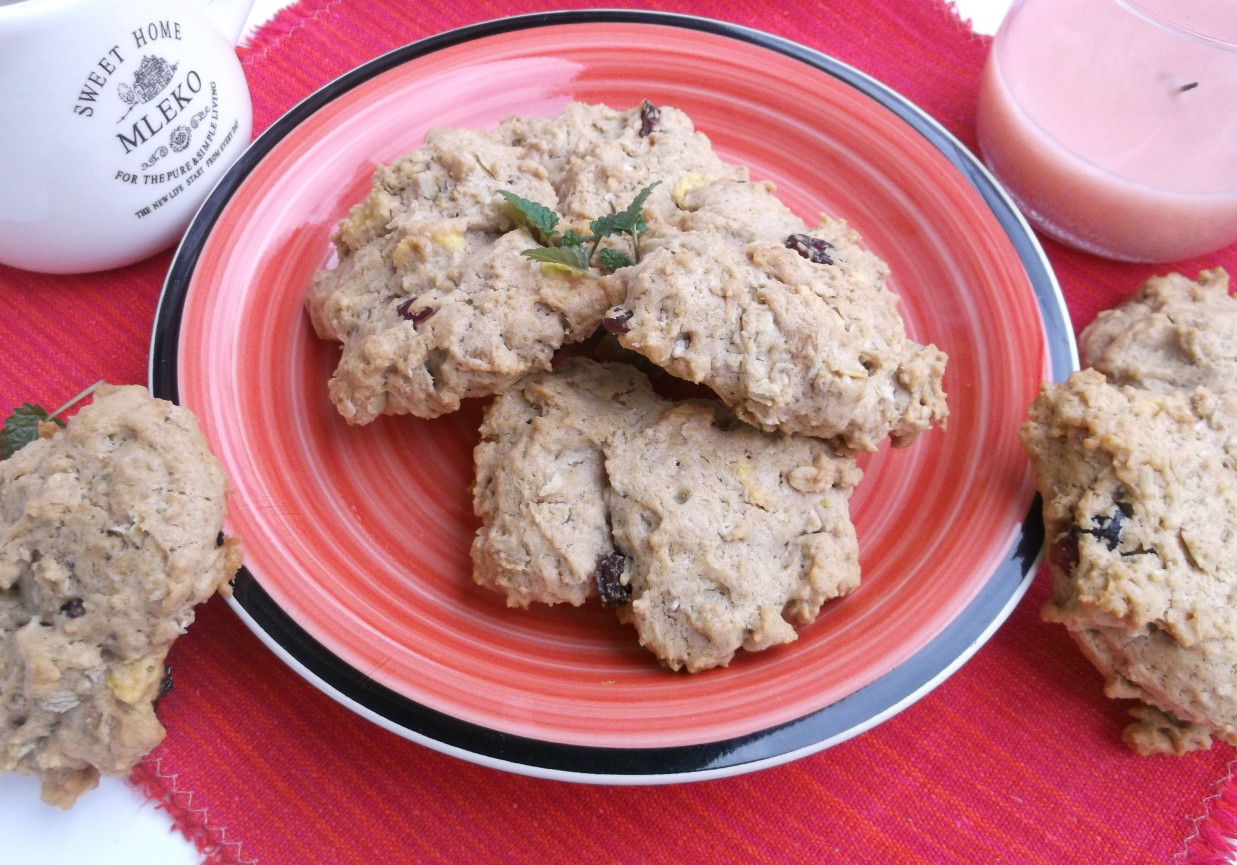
<point x="1016" y="758"/>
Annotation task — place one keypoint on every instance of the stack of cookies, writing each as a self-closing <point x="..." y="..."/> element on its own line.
<point x="711" y="525"/>
<point x="1136" y="459"/>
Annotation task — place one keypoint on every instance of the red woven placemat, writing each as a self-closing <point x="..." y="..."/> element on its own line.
<point x="1016" y="758"/>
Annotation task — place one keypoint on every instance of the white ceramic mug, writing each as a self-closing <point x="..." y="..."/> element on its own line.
<point x="116" y="119"/>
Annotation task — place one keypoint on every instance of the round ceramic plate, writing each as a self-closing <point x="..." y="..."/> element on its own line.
<point x="357" y="538"/>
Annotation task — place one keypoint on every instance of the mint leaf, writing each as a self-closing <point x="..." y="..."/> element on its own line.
<point x="539" y="219"/>
<point x="632" y="219"/>
<point x="629" y="221"/>
<point x="603" y="227"/>
<point x="611" y="259"/>
<point x="22" y="427"/>
<point x="574" y="258"/>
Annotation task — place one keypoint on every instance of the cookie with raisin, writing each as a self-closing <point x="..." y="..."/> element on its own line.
<point x="793" y="328"/>
<point x="112" y="534"/>
<point x="540" y="481"/>
<point x="704" y="533"/>
<point x="1139" y="489"/>
<point x="598" y="158"/>
<point x="733" y="537"/>
<point x="431" y="297"/>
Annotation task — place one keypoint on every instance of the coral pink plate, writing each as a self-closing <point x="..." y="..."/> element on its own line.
<point x="357" y="539"/>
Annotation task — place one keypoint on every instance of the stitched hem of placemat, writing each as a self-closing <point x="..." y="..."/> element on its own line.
<point x="286" y="22"/>
<point x="291" y="18"/>
<point x="1211" y="842"/>
<point x="963" y="24"/>
<point x="191" y="821"/>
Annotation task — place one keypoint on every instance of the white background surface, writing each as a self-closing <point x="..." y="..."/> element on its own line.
<point x="116" y="824"/>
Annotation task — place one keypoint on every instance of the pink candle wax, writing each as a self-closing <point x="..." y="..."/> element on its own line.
<point x="1112" y="133"/>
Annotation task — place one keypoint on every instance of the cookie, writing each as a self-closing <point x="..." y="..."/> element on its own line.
<point x="793" y="328"/>
<point x="1171" y="333"/>
<point x="112" y="535"/>
<point x="732" y="537"/>
<point x="540" y="479"/>
<point x="597" y="158"/>
<point x="706" y="534"/>
<point x="431" y="297"/>
<point x="1139" y="489"/>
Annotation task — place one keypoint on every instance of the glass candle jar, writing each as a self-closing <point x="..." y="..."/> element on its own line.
<point x="1113" y="123"/>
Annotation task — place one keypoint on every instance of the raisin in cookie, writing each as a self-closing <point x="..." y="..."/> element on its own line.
<point x="793" y="328"/>
<point x="1172" y="333"/>
<point x="540" y="479"/>
<point x="732" y="537"/>
<point x="111" y="532"/>
<point x="1139" y="493"/>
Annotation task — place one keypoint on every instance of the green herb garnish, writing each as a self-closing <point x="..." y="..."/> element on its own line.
<point x="535" y="216"/>
<point x="571" y="257"/>
<point x="629" y="221"/>
<point x="612" y="259"/>
<point x="567" y="249"/>
<point x="21" y="427"/>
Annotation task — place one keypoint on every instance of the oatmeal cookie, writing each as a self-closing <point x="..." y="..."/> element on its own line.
<point x="111" y="536"/>
<point x="706" y="534"/>
<point x="431" y="297"/>
<point x="597" y="158"/>
<point x="540" y="479"/>
<point x="1139" y="490"/>
<point x="1173" y="333"/>
<point x="732" y="537"/>
<point x="793" y="328"/>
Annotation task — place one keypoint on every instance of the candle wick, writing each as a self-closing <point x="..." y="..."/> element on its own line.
<point x="1189" y="86"/>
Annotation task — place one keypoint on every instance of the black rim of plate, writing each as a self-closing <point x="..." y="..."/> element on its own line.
<point x="828" y="726"/>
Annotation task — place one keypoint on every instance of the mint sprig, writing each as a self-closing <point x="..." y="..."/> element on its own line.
<point x="629" y="221"/>
<point x="567" y="249"/>
<point x="21" y="427"/>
